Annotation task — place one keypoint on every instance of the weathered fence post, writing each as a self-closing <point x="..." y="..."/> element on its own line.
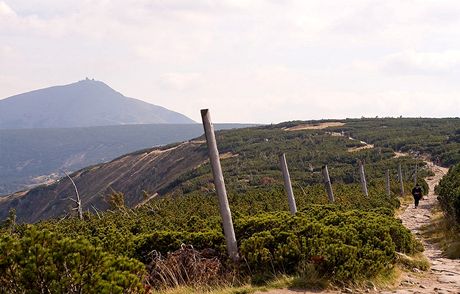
<point x="362" y="176"/>
<point x="327" y="183"/>
<point x="387" y="174"/>
<point x="401" y="181"/>
<point x="415" y="174"/>
<point x="287" y="184"/>
<point x="225" y="212"/>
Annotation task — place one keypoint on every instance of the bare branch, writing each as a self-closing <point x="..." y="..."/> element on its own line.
<point x="96" y="210"/>
<point x="78" y="201"/>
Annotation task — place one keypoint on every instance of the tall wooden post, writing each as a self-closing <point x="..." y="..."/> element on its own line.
<point x="287" y="184"/>
<point x="327" y="184"/>
<point x="401" y="181"/>
<point x="232" y="247"/>
<point x="415" y="174"/>
<point x="362" y="177"/>
<point x="387" y="176"/>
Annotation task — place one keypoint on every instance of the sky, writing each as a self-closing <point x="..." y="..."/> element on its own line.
<point x="262" y="61"/>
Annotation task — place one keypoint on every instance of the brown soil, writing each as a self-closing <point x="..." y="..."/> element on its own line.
<point x="315" y="126"/>
<point x="356" y="149"/>
<point x="400" y="154"/>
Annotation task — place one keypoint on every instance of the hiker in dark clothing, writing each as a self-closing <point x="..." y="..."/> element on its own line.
<point x="417" y="193"/>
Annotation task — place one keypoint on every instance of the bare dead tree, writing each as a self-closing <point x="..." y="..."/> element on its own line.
<point x="96" y="210"/>
<point x="78" y="200"/>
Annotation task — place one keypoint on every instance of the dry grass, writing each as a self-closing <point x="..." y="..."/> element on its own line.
<point x="278" y="283"/>
<point x="441" y="232"/>
<point x="413" y="263"/>
<point x="405" y="201"/>
<point x="186" y="267"/>
<point x="387" y="279"/>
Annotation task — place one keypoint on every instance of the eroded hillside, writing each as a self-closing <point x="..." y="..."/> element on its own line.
<point x="151" y="170"/>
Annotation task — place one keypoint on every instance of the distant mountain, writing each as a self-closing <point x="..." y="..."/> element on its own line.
<point x="33" y="156"/>
<point x="81" y="104"/>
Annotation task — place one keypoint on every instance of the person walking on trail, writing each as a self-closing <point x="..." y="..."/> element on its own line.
<point x="417" y="193"/>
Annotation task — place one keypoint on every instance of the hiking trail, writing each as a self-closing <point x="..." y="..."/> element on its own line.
<point x="444" y="274"/>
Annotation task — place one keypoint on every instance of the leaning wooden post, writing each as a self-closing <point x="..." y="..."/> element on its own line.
<point x="387" y="174"/>
<point x="287" y="184"/>
<point x="232" y="247"/>
<point x="401" y="181"/>
<point x="362" y="176"/>
<point x="327" y="184"/>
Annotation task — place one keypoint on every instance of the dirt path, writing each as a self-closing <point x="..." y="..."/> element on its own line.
<point x="318" y="126"/>
<point x="444" y="275"/>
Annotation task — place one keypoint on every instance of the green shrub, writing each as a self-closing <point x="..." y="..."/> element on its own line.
<point x="41" y="262"/>
<point x="163" y="242"/>
<point x="449" y="194"/>
<point x="346" y="245"/>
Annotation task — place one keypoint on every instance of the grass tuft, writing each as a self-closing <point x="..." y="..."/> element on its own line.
<point x="413" y="263"/>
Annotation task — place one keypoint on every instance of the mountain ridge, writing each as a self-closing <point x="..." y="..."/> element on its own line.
<point x="32" y="156"/>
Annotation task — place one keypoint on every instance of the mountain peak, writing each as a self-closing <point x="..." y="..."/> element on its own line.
<point x="88" y="81"/>
<point x="88" y="102"/>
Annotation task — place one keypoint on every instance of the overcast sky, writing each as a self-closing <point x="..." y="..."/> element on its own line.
<point x="248" y="61"/>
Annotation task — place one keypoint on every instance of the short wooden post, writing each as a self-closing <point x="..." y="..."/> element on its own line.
<point x="401" y="181"/>
<point x="387" y="174"/>
<point x="232" y="247"/>
<point x="362" y="176"/>
<point x="287" y="184"/>
<point x="327" y="184"/>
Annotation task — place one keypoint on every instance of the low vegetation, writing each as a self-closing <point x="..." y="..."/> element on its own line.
<point x="434" y="137"/>
<point x="449" y="194"/>
<point x="177" y="240"/>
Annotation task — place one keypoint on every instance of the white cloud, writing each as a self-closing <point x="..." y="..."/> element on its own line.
<point x="5" y="10"/>
<point x="180" y="81"/>
<point x="261" y="60"/>
<point x="423" y="63"/>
